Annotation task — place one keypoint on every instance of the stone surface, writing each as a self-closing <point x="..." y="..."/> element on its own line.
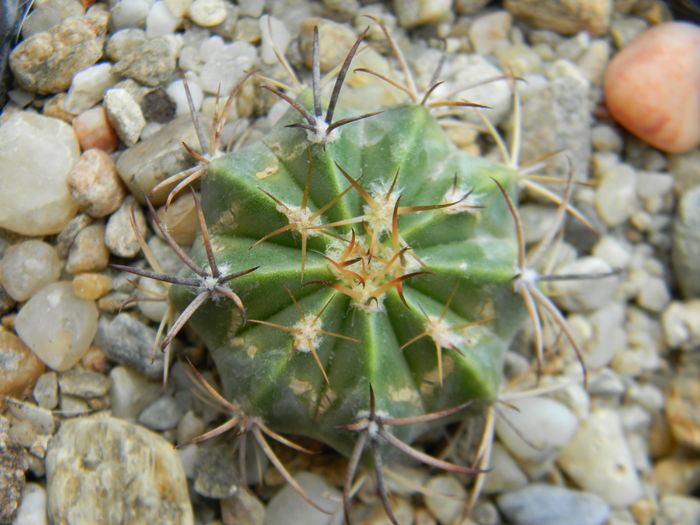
<point x="105" y="470"/>
<point x="287" y="506"/>
<point x="273" y="29"/>
<point x="576" y="295"/>
<point x="157" y="106"/>
<point x="88" y="252"/>
<point x="163" y="414"/>
<point x="217" y="471"/>
<point x="65" y="239"/>
<point x="540" y="504"/>
<point x="600" y="441"/>
<point x="683" y="404"/>
<point x="49" y="206"/>
<point x="207" y="13"/>
<point x="152" y="63"/>
<point x="131" y="392"/>
<point x="160" y="21"/>
<point x="504" y="473"/>
<point x="119" y="235"/>
<point x="95" y="185"/>
<point x="82" y="383"/>
<point x="615" y="197"/>
<point x="46" y="62"/>
<point x="88" y="87"/>
<point x="489" y="32"/>
<point x="91" y="285"/>
<point x="125" y="115"/>
<point x="93" y="129"/>
<point x="681" y="324"/>
<point x="27" y="267"/>
<point x="686" y="243"/>
<point x="666" y="112"/>
<point x="32" y="509"/>
<point x="417" y="12"/>
<point x="49" y="13"/>
<point x="335" y="38"/>
<point x="678" y="510"/>
<point x="564" y="16"/>
<point x="19" y="367"/>
<point x="67" y="323"/>
<point x="180" y="219"/>
<point x="445" y="509"/>
<point x="243" y="508"/>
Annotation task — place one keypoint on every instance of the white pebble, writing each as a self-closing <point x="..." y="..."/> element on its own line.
<point x="504" y="473"/>
<point x="225" y="65"/>
<point x="88" y="87"/>
<point x="125" y="115"/>
<point x="68" y="325"/>
<point x="273" y="30"/>
<point x="32" y="509"/>
<point x="584" y="294"/>
<point x="28" y="267"/>
<point x="287" y="506"/>
<point x="129" y="13"/>
<point x="176" y="91"/>
<point x="251" y="8"/>
<point x="131" y="392"/>
<point x="207" y="13"/>
<point x="160" y="21"/>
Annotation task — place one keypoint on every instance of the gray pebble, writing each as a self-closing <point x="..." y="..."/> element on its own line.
<point x="83" y="383"/>
<point x="157" y="106"/>
<point x="540" y="504"/>
<point x="163" y="414"/>
<point x="40" y="418"/>
<point x="686" y="243"/>
<point x="287" y="506"/>
<point x="94" y="183"/>
<point x="217" y="471"/>
<point x="606" y="138"/>
<point x="131" y="392"/>
<point x="123" y="42"/>
<point x="152" y="63"/>
<point x="120" y="237"/>
<point x="127" y="340"/>
<point x="46" y="390"/>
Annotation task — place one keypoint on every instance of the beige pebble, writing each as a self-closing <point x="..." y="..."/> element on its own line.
<point x="91" y="285"/>
<point x="19" y="367"/>
<point x="94" y="130"/>
<point x="94" y="183"/>
<point x="180" y="218"/>
<point x="207" y="13"/>
<point x="89" y="252"/>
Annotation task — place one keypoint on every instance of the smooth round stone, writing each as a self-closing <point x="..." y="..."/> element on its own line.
<point x="28" y="267"/>
<point x="91" y="285"/>
<point x="93" y="130"/>
<point x="131" y="392"/>
<point x="95" y="185"/>
<point x="32" y="509"/>
<point x="180" y="219"/>
<point x="582" y="295"/>
<point x="119" y="234"/>
<point x="88" y="86"/>
<point x="19" y="367"/>
<point x="106" y="470"/>
<point x="36" y="152"/>
<point x="57" y="325"/>
<point x="540" y="504"/>
<point x="651" y="86"/>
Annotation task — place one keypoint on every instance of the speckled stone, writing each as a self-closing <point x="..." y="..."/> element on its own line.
<point x="686" y="243"/>
<point x="124" y="114"/>
<point x="152" y="63"/>
<point x="92" y="459"/>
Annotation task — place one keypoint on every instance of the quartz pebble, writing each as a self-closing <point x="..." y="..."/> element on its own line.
<point x="540" y="504"/>
<point x="334" y="39"/>
<point x="577" y="295"/>
<point x="95" y="185"/>
<point x="180" y="219"/>
<point x="27" y="267"/>
<point x="272" y="30"/>
<point x="163" y="414"/>
<point x="665" y="113"/>
<point x="504" y="473"/>
<point x="91" y="285"/>
<point x="67" y="323"/>
<point x="119" y="235"/>
<point x="125" y="115"/>
<point x="160" y="20"/>
<point x="88" y="252"/>
<point x="93" y="458"/>
<point x="489" y="32"/>
<point x="88" y="87"/>
<point x="129" y="13"/>
<point x="225" y="64"/>
<point x="207" y="13"/>
<point x="32" y="509"/>
<point x="49" y="13"/>
<point x="82" y="383"/>
<point x="151" y="63"/>
<point x="19" y="367"/>
<point x="93" y="129"/>
<point x="49" y="206"/>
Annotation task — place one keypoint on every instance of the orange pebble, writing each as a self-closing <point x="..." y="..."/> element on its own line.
<point x="94" y="130"/>
<point x="652" y="86"/>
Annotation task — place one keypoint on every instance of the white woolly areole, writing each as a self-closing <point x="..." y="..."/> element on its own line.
<point x="320" y="134"/>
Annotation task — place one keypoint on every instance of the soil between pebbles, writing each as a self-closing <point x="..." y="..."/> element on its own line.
<point x="107" y="111"/>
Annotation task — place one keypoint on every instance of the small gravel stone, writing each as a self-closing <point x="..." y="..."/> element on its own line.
<point x="608" y="335"/>
<point x="125" y="115"/>
<point x="160" y="20"/>
<point x="163" y="414"/>
<point x="82" y="383"/>
<point x="625" y="30"/>
<point x="577" y="295"/>
<point x="95" y="185"/>
<point x="131" y="393"/>
<point x="88" y="87"/>
<point x="47" y="62"/>
<point x="49" y="206"/>
<point x="207" y="13"/>
<point x="46" y="390"/>
<point x="600" y="441"/>
<point x="677" y="510"/>
<point x="19" y="367"/>
<point x="273" y="29"/>
<point x="177" y="93"/>
<point x="119" y="235"/>
<point x="243" y="508"/>
<point x="540" y="504"/>
<point x="417" y="12"/>
<point x="71" y="406"/>
<point x="93" y="458"/>
<point x="287" y="506"/>
<point x="127" y="340"/>
<point x="41" y="419"/>
<point x="67" y="236"/>
<point x="686" y="243"/>
<point x="472" y="69"/>
<point x="93" y="129"/>
<point x="180" y="219"/>
<point x="32" y="509"/>
<point x="13" y="463"/>
<point x="27" y="267"/>
<point x="91" y="285"/>
<point x="445" y="509"/>
<point x="157" y="106"/>
<point x="683" y="405"/>
<point x="565" y="17"/>
<point x="225" y="64"/>
<point x="68" y="325"/>
<point x="504" y="472"/>
<point x="216" y="472"/>
<point x="88" y="252"/>
<point x="189" y="427"/>
<point x="605" y="138"/>
<point x="333" y="39"/>
<point x="681" y="324"/>
<point x="489" y="32"/>
<point x="129" y="14"/>
<point x="152" y="63"/>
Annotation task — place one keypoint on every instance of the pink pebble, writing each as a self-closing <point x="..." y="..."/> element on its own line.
<point x="652" y="86"/>
<point x="94" y="130"/>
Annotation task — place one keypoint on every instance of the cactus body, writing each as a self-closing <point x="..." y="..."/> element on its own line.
<point x="388" y="289"/>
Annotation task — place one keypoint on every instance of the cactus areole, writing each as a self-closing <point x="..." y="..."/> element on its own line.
<point x="386" y="260"/>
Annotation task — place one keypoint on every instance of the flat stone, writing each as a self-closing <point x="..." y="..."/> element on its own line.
<point x="243" y="508"/>
<point x="489" y="32"/>
<point x="27" y="267"/>
<point x="19" y="367"/>
<point x="47" y="62"/>
<point x="91" y="285"/>
<point x="217" y="471"/>
<point x="686" y="243"/>
<point x="46" y="14"/>
<point x="152" y="63"/>
<point x="92" y="459"/>
<point x="32" y="508"/>
<point x="540" y="504"/>
<point x="119" y="234"/>
<point x="577" y="295"/>
<point x="504" y="473"/>
<point x="49" y="206"/>
<point x="445" y="509"/>
<point x="82" y="383"/>
<point x="88" y="252"/>
<point x="287" y="506"/>
<point x="124" y="41"/>
<point x="125" y="115"/>
<point x="68" y="325"/>
<point x="95" y="185"/>
<point x="565" y="17"/>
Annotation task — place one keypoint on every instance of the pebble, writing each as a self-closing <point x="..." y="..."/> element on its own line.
<point x="85" y="384"/>
<point x="163" y="414"/>
<point x="129" y="14"/>
<point x="93" y="458"/>
<point x="581" y="295"/>
<point x="151" y="63"/>
<point x="272" y="30"/>
<point x="664" y="113"/>
<point x="413" y="13"/>
<point x="563" y="16"/>
<point x="46" y="390"/>
<point x="88" y="87"/>
<point x="71" y="406"/>
<point x="49" y="206"/>
<point x="217" y="471"/>
<point x="119" y="234"/>
<point x="504" y="473"/>
<point x="68" y="325"/>
<point x="131" y="392"/>
<point x="683" y="405"/>
<point x="91" y="285"/>
<point x="93" y="129"/>
<point x="127" y="340"/>
<point x="685" y="168"/>
<point x="95" y="185"/>
<point x="616" y="194"/>
<point x="686" y="243"/>
<point x="13" y="463"/>
<point x="252" y="8"/>
<point x="46" y="62"/>
<point x="27" y="267"/>
<point x="287" y="506"/>
<point x="32" y="509"/>
<point x="678" y="510"/>
<point x="124" y="114"/>
<point x="600" y="441"/>
<point x="243" y="508"/>
<point x="65" y="239"/>
<point x="157" y="106"/>
<point x="489" y="32"/>
<point x="88" y="252"/>
<point x="180" y="219"/>
<point x="607" y="337"/>
<point x="681" y="324"/>
<point x="122" y="42"/>
<point x="189" y="427"/>
<point x="540" y="504"/>
<point x="150" y="161"/>
<point x="207" y="13"/>
<point x="160" y="20"/>
<point x="445" y="509"/>
<point x="605" y="138"/>
<point x="176" y="93"/>
<point x="19" y="367"/>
